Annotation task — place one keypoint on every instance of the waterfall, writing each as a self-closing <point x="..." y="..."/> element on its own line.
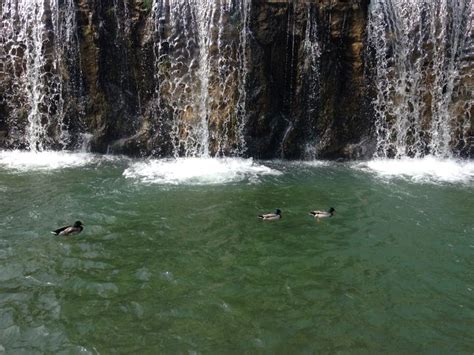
<point x="311" y="66"/>
<point x="290" y="57"/>
<point x="34" y="38"/>
<point x="311" y="54"/>
<point x="245" y="6"/>
<point x="423" y="57"/>
<point x="201" y="74"/>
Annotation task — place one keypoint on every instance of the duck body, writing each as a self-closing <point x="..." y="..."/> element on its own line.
<point x="271" y="216"/>
<point x="76" y="228"/>
<point x="323" y="214"/>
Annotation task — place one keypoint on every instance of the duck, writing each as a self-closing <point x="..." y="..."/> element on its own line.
<point x="323" y="214"/>
<point x="76" y="228"/>
<point x="271" y="216"/>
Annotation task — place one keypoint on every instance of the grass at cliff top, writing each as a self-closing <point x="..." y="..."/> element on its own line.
<point x="174" y="260"/>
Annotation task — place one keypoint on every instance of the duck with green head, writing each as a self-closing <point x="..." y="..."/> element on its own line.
<point x="76" y="228"/>
<point x="323" y="214"/>
<point x="271" y="216"/>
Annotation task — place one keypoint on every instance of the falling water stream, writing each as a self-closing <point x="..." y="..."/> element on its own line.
<point x="208" y="70"/>
<point x="423" y="55"/>
<point x="423" y="58"/>
<point x="173" y="259"/>
<point x="38" y="39"/>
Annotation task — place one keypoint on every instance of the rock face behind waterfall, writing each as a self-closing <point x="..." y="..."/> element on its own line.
<point x="292" y="114"/>
<point x="117" y="69"/>
<point x="260" y="78"/>
<point x="280" y="119"/>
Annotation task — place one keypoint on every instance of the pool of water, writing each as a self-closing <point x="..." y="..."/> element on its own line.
<point x="173" y="259"/>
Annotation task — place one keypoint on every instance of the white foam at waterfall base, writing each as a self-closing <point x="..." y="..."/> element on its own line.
<point x="428" y="169"/>
<point x="197" y="171"/>
<point x="316" y="163"/>
<point x="43" y="161"/>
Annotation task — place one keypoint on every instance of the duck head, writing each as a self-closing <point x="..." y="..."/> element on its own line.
<point x="77" y="224"/>
<point x="278" y="211"/>
<point x="332" y="210"/>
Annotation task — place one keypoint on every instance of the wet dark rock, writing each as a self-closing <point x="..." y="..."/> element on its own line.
<point x="115" y="91"/>
<point x="343" y="115"/>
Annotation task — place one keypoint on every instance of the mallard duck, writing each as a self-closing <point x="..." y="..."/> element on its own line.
<point x="76" y="228"/>
<point x="271" y="216"/>
<point x="323" y="214"/>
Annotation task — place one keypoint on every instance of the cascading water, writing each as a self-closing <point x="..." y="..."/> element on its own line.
<point x="35" y="36"/>
<point x="312" y="54"/>
<point x="422" y="50"/>
<point x="245" y="6"/>
<point x="201" y="74"/>
<point x="311" y="71"/>
<point x="289" y="72"/>
<point x="301" y="76"/>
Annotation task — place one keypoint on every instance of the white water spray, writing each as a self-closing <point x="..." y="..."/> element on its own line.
<point x="197" y="171"/>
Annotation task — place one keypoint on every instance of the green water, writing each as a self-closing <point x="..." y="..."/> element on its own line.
<point x="189" y="268"/>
